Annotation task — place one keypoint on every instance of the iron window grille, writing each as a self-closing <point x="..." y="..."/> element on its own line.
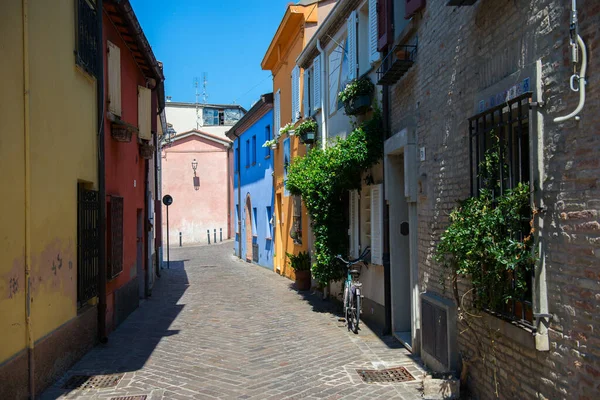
<point x="509" y="122"/>
<point x="115" y="262"/>
<point x="88" y="240"/>
<point x="87" y="40"/>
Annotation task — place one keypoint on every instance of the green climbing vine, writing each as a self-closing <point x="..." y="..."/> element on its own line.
<point x="322" y="177"/>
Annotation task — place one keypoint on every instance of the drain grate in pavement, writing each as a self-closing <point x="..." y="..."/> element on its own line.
<point x="390" y="375"/>
<point x="92" y="381"/>
<point x="142" y="397"/>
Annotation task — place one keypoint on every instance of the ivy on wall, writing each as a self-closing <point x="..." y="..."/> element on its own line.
<point x="322" y="177"/>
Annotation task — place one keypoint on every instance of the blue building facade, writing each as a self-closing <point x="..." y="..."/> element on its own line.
<point x="253" y="195"/>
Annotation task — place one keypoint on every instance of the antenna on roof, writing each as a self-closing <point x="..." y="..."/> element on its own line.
<point x="204" y="94"/>
<point x="197" y="109"/>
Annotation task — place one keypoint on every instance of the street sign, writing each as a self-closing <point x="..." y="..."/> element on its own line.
<point x="167" y="200"/>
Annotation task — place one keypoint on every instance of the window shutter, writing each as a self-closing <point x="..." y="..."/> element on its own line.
<point x="277" y="114"/>
<point x="144" y="113"/>
<point x="352" y="54"/>
<point x="306" y="94"/>
<point x="114" y="79"/>
<point x="295" y="94"/>
<point x="354" y="225"/>
<point x="316" y="83"/>
<point x="384" y="23"/>
<point x="376" y="225"/>
<point x="412" y="6"/>
<point x="374" y="55"/>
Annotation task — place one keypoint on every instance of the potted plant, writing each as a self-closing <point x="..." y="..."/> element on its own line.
<point x="271" y="143"/>
<point x="146" y="150"/>
<point x="301" y="265"/>
<point x="307" y="131"/>
<point x="356" y="96"/>
<point x="288" y="128"/>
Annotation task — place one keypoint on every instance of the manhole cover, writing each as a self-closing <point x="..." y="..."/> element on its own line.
<point x="391" y="375"/>
<point x="92" y="381"/>
<point x="142" y="397"/>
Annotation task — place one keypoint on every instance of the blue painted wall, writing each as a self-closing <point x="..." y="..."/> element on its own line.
<point x="256" y="166"/>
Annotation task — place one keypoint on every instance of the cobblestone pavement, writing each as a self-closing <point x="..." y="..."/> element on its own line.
<point x="217" y="327"/>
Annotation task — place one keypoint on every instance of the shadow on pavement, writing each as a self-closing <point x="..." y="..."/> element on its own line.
<point x="131" y="345"/>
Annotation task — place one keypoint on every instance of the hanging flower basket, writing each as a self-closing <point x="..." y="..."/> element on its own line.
<point x="356" y="96"/>
<point x="121" y="132"/>
<point x="307" y="131"/>
<point x="146" y="150"/>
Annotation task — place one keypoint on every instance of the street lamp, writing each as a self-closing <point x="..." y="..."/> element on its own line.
<point x="194" y="166"/>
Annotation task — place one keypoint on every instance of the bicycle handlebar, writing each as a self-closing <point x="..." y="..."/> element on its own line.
<point x="348" y="263"/>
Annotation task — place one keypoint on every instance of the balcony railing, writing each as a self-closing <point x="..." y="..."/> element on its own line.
<point x="396" y="64"/>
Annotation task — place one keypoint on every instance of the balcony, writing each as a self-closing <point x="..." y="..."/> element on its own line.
<point x="396" y="64"/>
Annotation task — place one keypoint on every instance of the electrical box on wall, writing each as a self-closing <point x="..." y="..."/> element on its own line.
<point x="422" y="153"/>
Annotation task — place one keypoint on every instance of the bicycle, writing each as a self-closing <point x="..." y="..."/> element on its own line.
<point x="352" y="289"/>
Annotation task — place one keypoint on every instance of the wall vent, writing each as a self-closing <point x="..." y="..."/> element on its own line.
<point x="438" y="333"/>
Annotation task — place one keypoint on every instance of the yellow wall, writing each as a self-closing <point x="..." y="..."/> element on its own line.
<point x="62" y="152"/>
<point x="284" y="210"/>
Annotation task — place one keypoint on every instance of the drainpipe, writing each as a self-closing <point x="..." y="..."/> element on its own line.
<point x="157" y="204"/>
<point x="239" y="185"/>
<point x="147" y="200"/>
<point x="27" y="162"/>
<point x="102" y="336"/>
<point x="323" y="91"/>
<point x="387" y="287"/>
<point x="229" y="147"/>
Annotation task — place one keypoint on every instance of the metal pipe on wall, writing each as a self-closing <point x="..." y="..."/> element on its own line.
<point x="27" y="162"/>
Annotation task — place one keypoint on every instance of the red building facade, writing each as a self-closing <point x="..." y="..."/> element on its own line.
<point x="134" y="99"/>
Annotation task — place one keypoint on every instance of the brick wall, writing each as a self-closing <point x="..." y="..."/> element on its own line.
<point x="461" y="52"/>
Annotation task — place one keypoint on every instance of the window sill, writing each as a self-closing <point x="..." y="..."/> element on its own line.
<point x="269" y="238"/>
<point x="516" y="333"/>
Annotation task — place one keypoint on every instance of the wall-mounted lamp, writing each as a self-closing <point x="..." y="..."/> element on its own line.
<point x="196" y="178"/>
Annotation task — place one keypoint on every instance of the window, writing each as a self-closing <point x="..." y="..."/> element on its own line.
<point x="269" y="222"/>
<point x="377" y="224"/>
<point x="237" y="158"/>
<point x="254" y="222"/>
<point x="247" y="153"/>
<point x="295" y="94"/>
<point x="277" y="112"/>
<point x="296" y="231"/>
<point x="88" y="235"/>
<point x="316" y="84"/>
<point x="338" y="74"/>
<point x="114" y="78"/>
<point x="267" y="137"/>
<point x="253" y="149"/>
<point x="505" y="127"/>
<point x="219" y="117"/>
<point x="210" y="116"/>
<point x="363" y="40"/>
<point x="286" y="162"/>
<point x="306" y="97"/>
<point x="237" y="218"/>
<point x="145" y="113"/>
<point x="87" y="40"/>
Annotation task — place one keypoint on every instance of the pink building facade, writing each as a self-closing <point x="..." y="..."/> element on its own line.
<point x="200" y="196"/>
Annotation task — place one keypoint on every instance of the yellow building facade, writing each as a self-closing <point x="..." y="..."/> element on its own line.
<point x="48" y="149"/>
<point x="291" y="222"/>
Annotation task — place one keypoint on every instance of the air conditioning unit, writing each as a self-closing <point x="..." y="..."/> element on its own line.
<point x="438" y="333"/>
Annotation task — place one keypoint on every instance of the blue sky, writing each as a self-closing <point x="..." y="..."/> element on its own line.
<point x="226" y="39"/>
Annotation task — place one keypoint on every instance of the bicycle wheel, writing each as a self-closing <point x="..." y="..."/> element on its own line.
<point x="356" y="313"/>
<point x="347" y="305"/>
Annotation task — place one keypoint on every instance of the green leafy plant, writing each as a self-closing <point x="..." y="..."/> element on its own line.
<point x="353" y="90"/>
<point x="485" y="241"/>
<point x="286" y="129"/>
<point x="309" y="125"/>
<point x="322" y="177"/>
<point x="301" y="262"/>
<point x="271" y="142"/>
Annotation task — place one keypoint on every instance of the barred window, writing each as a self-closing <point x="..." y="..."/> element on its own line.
<point x="87" y="40"/>
<point x="505" y="127"/>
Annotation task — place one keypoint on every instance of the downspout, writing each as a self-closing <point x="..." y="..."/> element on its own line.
<point x="387" y="287"/>
<point x="229" y="147"/>
<point x="102" y="337"/>
<point x="157" y="204"/>
<point x="323" y="102"/>
<point x="239" y="185"/>
<point x="147" y="200"/>
<point x="27" y="162"/>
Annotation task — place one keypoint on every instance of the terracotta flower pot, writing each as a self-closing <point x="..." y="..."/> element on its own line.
<point x="303" y="280"/>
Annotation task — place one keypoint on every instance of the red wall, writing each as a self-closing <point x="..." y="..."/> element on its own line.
<point x="125" y="169"/>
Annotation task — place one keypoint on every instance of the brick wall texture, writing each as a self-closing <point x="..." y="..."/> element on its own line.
<point x="462" y="51"/>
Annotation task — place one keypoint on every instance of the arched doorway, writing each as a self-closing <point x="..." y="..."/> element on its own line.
<point x="248" y="238"/>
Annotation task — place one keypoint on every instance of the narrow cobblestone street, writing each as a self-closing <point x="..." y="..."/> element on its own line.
<point x="217" y="327"/>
